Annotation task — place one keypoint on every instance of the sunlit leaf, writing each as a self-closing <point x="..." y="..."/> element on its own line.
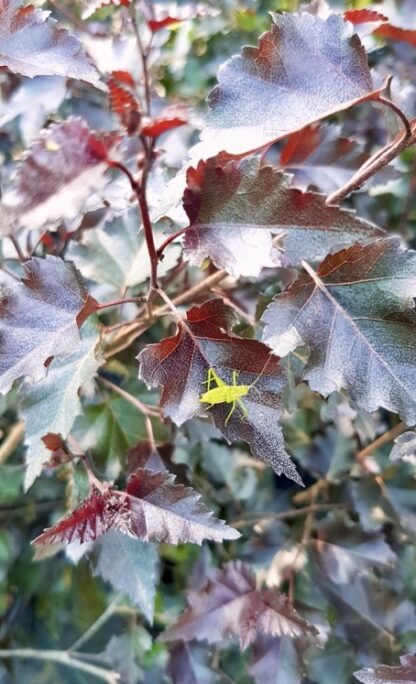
<point x="180" y="365"/>
<point x="151" y="509"/>
<point x="235" y="209"/>
<point x="32" y="44"/>
<point x="305" y="68"/>
<point x="39" y="319"/>
<point x="356" y="315"/>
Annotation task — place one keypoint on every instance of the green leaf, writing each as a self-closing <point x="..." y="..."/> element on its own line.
<point x="52" y="404"/>
<point x="116" y="253"/>
<point x="130" y="566"/>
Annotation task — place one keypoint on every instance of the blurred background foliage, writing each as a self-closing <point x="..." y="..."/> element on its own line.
<point x="361" y="587"/>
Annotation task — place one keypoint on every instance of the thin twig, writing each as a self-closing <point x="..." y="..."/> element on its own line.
<point x="131" y="331"/>
<point x="143" y="408"/>
<point x="143" y="57"/>
<point x="385" y="438"/>
<point x="12" y="441"/>
<point x="17" y="247"/>
<point x="380" y="159"/>
<point x="71" y="17"/>
<point x="167" y="242"/>
<point x="119" y="302"/>
<point x="95" y="626"/>
<point x="63" y="658"/>
<point x="285" y="515"/>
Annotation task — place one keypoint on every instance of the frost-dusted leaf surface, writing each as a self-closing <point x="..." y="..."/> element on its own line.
<point x="70" y="160"/>
<point x="51" y="405"/>
<point x="229" y="605"/>
<point x="180" y="364"/>
<point x="116" y="254"/>
<point x="39" y="318"/>
<point x="386" y="674"/>
<point x="356" y="315"/>
<point x="305" y="68"/>
<point x="130" y="566"/>
<point x="235" y="208"/>
<point x="31" y="44"/>
<point x="153" y="508"/>
<point x="318" y="155"/>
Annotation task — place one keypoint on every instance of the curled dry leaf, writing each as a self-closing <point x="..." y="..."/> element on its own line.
<point x="356" y="315"/>
<point x="40" y="319"/>
<point x="304" y="69"/>
<point x="32" y="44"/>
<point x="235" y="209"/>
<point x="152" y="508"/>
<point x="180" y="365"/>
<point x="71" y="160"/>
<point x="229" y="605"/>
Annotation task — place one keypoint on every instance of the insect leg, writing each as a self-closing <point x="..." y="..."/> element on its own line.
<point x="243" y="408"/>
<point x="235" y="377"/>
<point x="230" y="413"/>
<point x="211" y="377"/>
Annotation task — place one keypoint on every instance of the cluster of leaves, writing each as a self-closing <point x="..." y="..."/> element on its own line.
<point x="126" y="208"/>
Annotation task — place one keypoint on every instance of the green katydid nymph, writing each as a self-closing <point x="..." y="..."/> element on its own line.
<point x="225" y="394"/>
<point x="228" y="394"/>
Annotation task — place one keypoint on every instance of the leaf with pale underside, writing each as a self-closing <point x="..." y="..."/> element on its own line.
<point x="236" y="209"/>
<point x="70" y="160"/>
<point x="130" y="566"/>
<point x="229" y="605"/>
<point x="356" y="315"/>
<point x="32" y="44"/>
<point x="304" y="69"/>
<point x="202" y="342"/>
<point x="152" y="508"/>
<point x="52" y="404"/>
<point x="387" y="674"/>
<point x="39" y="319"/>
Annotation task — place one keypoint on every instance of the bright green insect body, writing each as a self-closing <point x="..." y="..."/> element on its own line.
<point x="225" y="394"/>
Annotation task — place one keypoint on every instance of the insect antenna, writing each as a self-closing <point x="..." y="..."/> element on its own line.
<point x="263" y="369"/>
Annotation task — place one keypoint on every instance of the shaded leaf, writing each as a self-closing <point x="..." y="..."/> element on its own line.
<point x="318" y="155"/>
<point x="40" y="319"/>
<point x="130" y="566"/>
<point x="356" y="316"/>
<point x="304" y="69"/>
<point x="275" y="661"/>
<point x="151" y="509"/>
<point x="188" y="664"/>
<point x="345" y="550"/>
<point x="116" y="254"/>
<point x="385" y="674"/>
<point x="52" y="405"/>
<point x="201" y="343"/>
<point x="71" y="160"/>
<point x="32" y="44"/>
<point x="235" y="208"/>
<point x="229" y="605"/>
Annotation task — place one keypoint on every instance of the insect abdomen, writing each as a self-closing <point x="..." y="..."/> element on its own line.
<point x="224" y="394"/>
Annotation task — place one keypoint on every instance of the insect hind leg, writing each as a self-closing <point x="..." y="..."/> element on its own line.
<point x="242" y="408"/>
<point x="233" y="405"/>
